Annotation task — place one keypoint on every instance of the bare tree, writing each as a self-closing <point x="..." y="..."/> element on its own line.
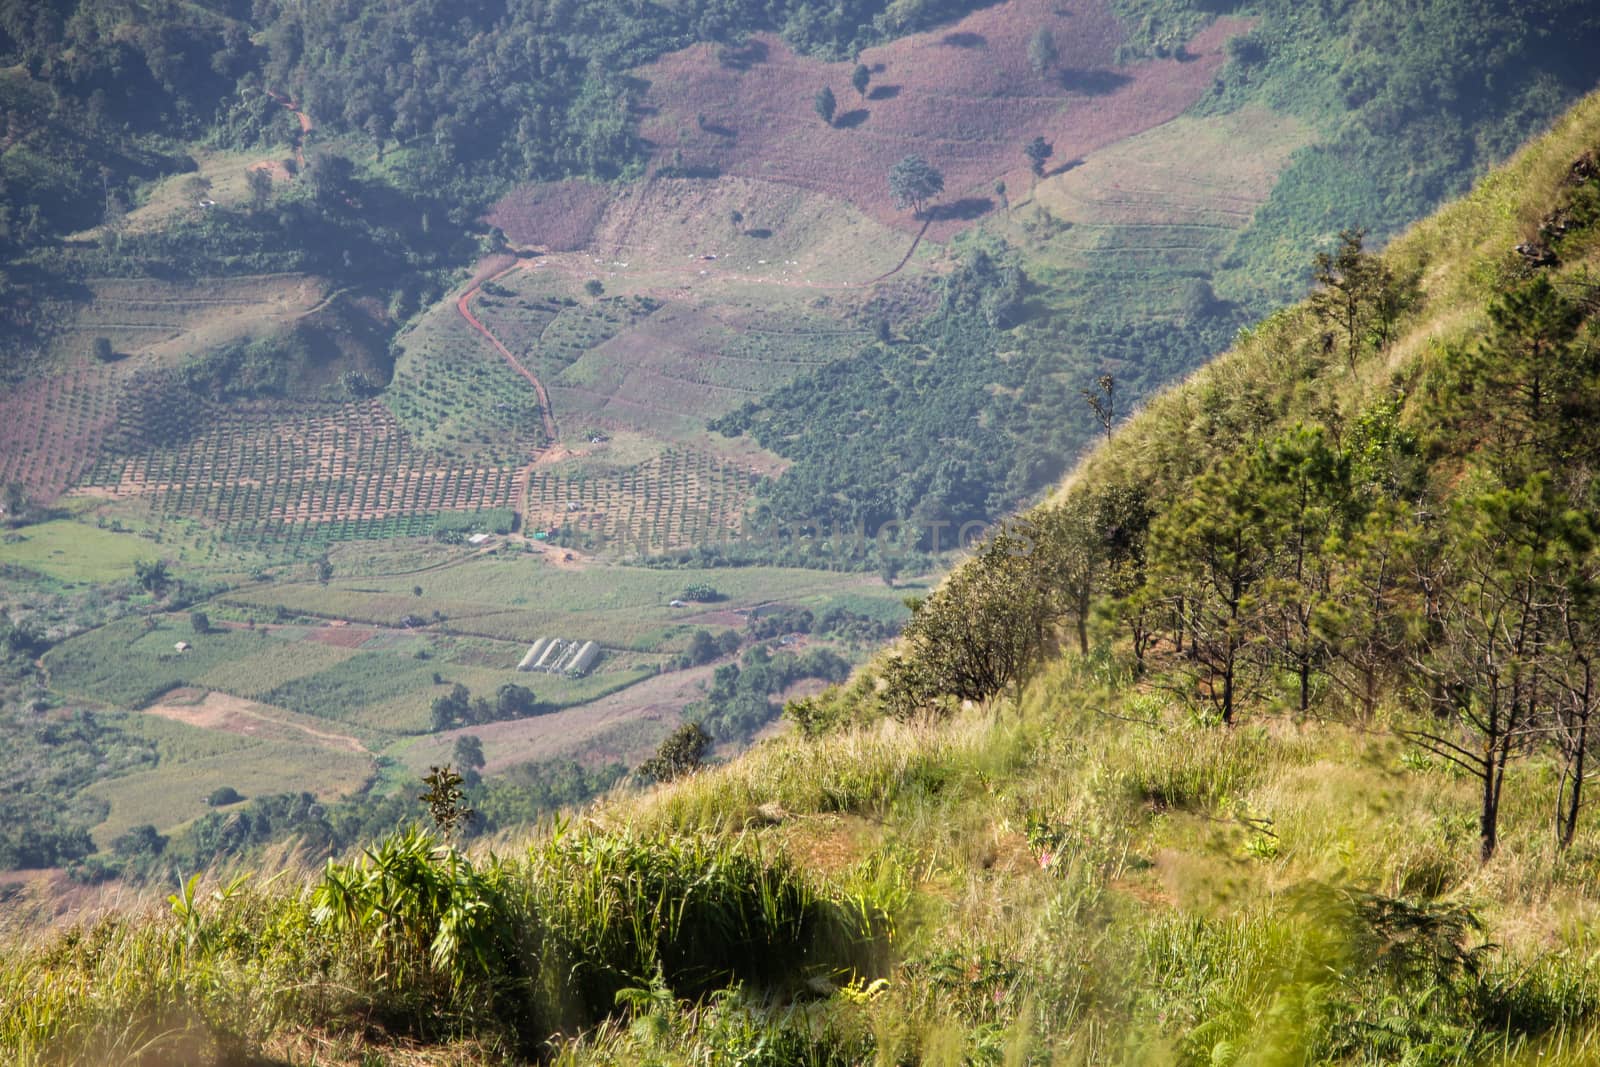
<point x="1494" y="605"/>
<point x="1102" y="400"/>
<point x="1573" y="674"/>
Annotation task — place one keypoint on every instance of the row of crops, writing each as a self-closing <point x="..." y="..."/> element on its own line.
<point x="679" y="499"/>
<point x="51" y="427"/>
<point x="320" y="472"/>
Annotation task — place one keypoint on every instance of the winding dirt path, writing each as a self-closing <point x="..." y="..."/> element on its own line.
<point x="305" y="126"/>
<point x="464" y="306"/>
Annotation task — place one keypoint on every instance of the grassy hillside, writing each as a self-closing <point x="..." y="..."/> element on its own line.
<point x="1257" y="745"/>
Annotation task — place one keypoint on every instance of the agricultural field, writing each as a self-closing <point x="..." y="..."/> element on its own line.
<point x="305" y="471"/>
<point x="345" y="680"/>
<point x="749" y="113"/>
<point x="74" y="552"/>
<point x="703" y="235"/>
<point x="454" y="396"/>
<point x="51" y="428"/>
<point x="219" y="177"/>
<point x="378" y="683"/>
<point x="1167" y="204"/>
<point x="194" y="761"/>
<point x="678" y="499"/>
<point x="520" y="598"/>
<point x="152" y="323"/>
<point x="626" y="727"/>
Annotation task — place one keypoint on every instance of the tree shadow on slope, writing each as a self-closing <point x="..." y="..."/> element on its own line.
<point x="1092" y="82"/>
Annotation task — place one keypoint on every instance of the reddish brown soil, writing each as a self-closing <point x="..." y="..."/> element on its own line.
<point x="51" y="429"/>
<point x="247" y="718"/>
<point x="963" y="96"/>
<point x="341" y="636"/>
<point x="560" y="216"/>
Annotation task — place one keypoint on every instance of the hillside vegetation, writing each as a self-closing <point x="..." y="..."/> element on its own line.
<point x="1267" y="741"/>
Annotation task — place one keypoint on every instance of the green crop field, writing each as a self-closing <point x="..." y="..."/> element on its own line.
<point x="272" y="665"/>
<point x="520" y="599"/>
<point x="194" y="762"/>
<point x="125" y="664"/>
<point x="75" y="551"/>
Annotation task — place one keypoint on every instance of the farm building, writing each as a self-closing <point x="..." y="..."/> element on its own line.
<point x="584" y="659"/>
<point x="555" y="655"/>
<point x="531" y="657"/>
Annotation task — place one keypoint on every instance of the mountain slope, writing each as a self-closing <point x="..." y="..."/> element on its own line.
<point x="1108" y="856"/>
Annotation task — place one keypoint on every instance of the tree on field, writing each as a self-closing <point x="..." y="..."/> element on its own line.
<point x="1305" y="493"/>
<point x="1102" y="400"/>
<point x="1494" y="611"/>
<point x="200" y="622"/>
<point x="102" y="349"/>
<point x="140" y="842"/>
<point x="860" y="78"/>
<point x="1042" y="54"/>
<point x="1573" y="671"/>
<point x="1372" y="613"/>
<point x="683" y="752"/>
<point x="914" y="181"/>
<point x="1348" y="281"/>
<point x="259" y="183"/>
<point x="512" y="701"/>
<point x="468" y="752"/>
<point x="451" y="708"/>
<point x="14" y="499"/>
<point x="331" y="175"/>
<point x="1038" y="152"/>
<point x="983" y="631"/>
<point x="1070" y="551"/>
<point x="151" y="574"/>
<point x="1209" y="553"/>
<point x="1528" y="382"/>
<point x="824" y="104"/>
<point x="468" y="755"/>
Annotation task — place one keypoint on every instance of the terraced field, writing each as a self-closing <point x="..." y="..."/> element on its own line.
<point x="1170" y="202"/>
<point x="964" y="95"/>
<point x="51" y="428"/>
<point x="314" y="471"/>
<point x="678" y="499"/>
<point x="165" y="321"/>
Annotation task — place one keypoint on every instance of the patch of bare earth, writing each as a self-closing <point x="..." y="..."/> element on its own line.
<point x="560" y="216"/>
<point x="964" y="96"/>
<point x="341" y="634"/>
<point x="655" y="702"/>
<point x="248" y="718"/>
